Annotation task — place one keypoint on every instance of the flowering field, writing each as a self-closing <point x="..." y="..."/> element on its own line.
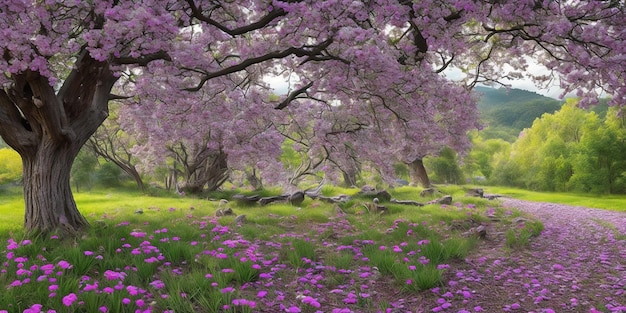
<point x="311" y="258"/>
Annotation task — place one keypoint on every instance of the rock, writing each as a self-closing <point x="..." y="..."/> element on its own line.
<point x="406" y="202"/>
<point x="476" y="192"/>
<point x="428" y="192"/>
<point x="240" y="219"/>
<point x="246" y="200"/>
<point x="336" y="199"/>
<point x="447" y="200"/>
<point x="268" y="200"/>
<point x="479" y="231"/>
<point x="519" y="220"/>
<point x="383" y="195"/>
<point x="296" y="198"/>
<point x="401" y="182"/>
<point x="367" y="189"/>
<point x="224" y="212"/>
<point x="491" y="197"/>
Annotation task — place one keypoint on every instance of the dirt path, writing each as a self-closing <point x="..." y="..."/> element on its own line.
<point x="578" y="264"/>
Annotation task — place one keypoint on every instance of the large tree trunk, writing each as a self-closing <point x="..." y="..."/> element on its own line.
<point x="47" y="193"/>
<point x="418" y="173"/>
<point x="206" y="169"/>
<point x="47" y="129"/>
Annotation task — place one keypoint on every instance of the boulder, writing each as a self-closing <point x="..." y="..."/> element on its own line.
<point x="246" y="200"/>
<point x="428" y="192"/>
<point x="296" y="198"/>
<point x="476" y="192"/>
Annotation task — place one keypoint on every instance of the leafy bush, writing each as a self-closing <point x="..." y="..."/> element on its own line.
<point x="109" y="175"/>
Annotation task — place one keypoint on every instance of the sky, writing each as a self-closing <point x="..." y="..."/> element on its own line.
<point x="553" y="91"/>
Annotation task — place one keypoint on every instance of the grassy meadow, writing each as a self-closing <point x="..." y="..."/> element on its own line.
<point x="606" y="202"/>
<point x="177" y="256"/>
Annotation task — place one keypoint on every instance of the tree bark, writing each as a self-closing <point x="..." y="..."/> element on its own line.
<point x="47" y="193"/>
<point x="47" y="129"/>
<point x="418" y="173"/>
<point x="204" y="169"/>
<point x="349" y="178"/>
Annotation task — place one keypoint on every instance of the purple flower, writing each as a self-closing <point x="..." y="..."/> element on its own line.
<point x="157" y="284"/>
<point x="64" y="264"/>
<point x="69" y="299"/>
<point x="293" y="309"/>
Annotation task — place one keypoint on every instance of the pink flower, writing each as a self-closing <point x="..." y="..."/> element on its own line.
<point x="103" y="309"/>
<point x="64" y="264"/>
<point x="293" y="309"/>
<point x="69" y="299"/>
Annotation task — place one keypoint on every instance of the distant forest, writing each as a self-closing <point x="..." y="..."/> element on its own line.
<point x="506" y="112"/>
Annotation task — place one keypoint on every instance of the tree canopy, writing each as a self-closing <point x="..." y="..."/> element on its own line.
<point x="369" y="73"/>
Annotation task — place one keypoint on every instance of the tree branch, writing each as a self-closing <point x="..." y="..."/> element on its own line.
<point x="275" y="13"/>
<point x="305" y="51"/>
<point x="292" y="96"/>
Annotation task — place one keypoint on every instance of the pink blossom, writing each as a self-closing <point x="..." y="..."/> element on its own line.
<point x="69" y="299"/>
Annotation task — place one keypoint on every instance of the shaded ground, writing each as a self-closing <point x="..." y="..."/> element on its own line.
<point x="578" y="264"/>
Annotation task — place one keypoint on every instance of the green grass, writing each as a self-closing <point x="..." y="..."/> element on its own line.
<point x="607" y="202"/>
<point x="206" y="263"/>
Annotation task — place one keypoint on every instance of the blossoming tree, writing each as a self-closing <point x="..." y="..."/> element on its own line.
<point x="61" y="59"/>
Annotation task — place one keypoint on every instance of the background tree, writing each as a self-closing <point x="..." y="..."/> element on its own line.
<point x="599" y="164"/>
<point x="572" y="149"/>
<point x="114" y="145"/>
<point x="445" y="167"/>
<point x="84" y="170"/>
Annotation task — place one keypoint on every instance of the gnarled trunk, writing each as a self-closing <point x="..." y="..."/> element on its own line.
<point x="48" y="128"/>
<point x="205" y="169"/>
<point x="418" y="173"/>
<point x="48" y="197"/>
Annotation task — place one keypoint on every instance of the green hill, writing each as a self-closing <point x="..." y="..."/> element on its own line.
<point x="513" y="108"/>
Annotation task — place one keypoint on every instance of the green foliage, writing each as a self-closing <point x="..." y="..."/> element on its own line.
<point x="513" y="109"/>
<point x="109" y="175"/>
<point x="423" y="278"/>
<point x="301" y="250"/>
<point x="486" y="153"/>
<point x="83" y="170"/>
<point x="445" y="167"/>
<point x="195" y="279"/>
<point x="10" y="166"/>
<point x="570" y="150"/>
